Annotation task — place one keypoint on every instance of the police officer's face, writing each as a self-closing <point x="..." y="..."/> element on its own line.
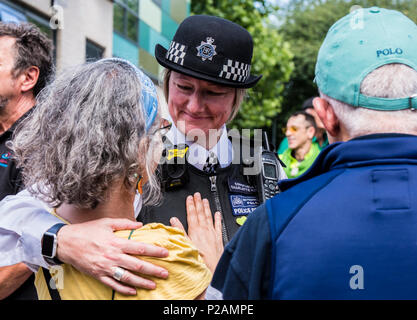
<point x="197" y="104"/>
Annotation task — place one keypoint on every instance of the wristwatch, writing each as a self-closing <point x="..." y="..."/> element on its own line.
<point x="50" y="243"/>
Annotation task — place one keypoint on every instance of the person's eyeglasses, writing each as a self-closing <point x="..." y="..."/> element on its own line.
<point x="292" y="129"/>
<point x="163" y="130"/>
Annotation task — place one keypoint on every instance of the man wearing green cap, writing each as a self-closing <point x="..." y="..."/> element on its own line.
<point x="347" y="228"/>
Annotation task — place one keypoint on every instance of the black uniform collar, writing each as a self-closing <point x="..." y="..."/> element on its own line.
<point x="10" y="131"/>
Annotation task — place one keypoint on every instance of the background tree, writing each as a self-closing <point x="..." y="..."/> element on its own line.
<point x="305" y="25"/>
<point x="272" y="57"/>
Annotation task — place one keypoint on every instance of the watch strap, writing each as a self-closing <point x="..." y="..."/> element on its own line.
<point x="52" y="259"/>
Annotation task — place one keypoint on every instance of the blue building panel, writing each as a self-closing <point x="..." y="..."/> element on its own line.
<point x="169" y="26"/>
<point x="144" y="35"/>
<point x="156" y="38"/>
<point x="157" y="23"/>
<point x="166" y="6"/>
<point x="125" y="49"/>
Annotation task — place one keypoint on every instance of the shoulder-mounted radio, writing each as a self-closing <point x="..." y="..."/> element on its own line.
<point x="268" y="173"/>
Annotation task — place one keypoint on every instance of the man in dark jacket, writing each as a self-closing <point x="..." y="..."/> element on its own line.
<point x="346" y="229"/>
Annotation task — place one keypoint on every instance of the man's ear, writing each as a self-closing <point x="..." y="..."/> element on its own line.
<point x="29" y="78"/>
<point x="327" y="116"/>
<point x="311" y="132"/>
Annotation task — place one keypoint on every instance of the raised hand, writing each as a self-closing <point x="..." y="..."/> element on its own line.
<point x="202" y="231"/>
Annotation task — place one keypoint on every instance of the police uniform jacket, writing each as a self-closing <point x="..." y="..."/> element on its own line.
<point x="228" y="190"/>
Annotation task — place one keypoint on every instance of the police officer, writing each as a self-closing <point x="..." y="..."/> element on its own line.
<point x="207" y="73"/>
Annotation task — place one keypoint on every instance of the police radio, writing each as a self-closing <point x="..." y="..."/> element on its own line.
<point x="173" y="171"/>
<point x="268" y="177"/>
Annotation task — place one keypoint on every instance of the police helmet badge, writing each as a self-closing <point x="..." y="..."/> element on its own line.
<point x="202" y="48"/>
<point x="206" y="50"/>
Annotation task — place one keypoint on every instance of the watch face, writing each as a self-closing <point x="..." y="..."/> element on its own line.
<point x="48" y="245"/>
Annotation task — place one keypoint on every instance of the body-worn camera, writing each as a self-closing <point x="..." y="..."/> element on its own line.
<point x="174" y="172"/>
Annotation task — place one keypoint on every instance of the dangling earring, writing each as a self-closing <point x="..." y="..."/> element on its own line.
<point x="139" y="183"/>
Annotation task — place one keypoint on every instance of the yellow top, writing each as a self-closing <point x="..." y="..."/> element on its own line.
<point x="188" y="275"/>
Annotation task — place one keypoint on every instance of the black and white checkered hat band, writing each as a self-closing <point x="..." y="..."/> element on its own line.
<point x="176" y="52"/>
<point x="235" y="70"/>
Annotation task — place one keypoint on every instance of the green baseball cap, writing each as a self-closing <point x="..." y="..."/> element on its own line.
<point x="359" y="43"/>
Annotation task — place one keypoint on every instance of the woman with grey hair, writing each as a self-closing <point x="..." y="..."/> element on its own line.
<point x="208" y="70"/>
<point x="87" y="152"/>
<point x="82" y="137"/>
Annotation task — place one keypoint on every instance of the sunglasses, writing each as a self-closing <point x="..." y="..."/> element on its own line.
<point x="292" y="129"/>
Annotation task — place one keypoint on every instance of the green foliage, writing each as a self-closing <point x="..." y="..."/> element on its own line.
<point x="272" y="57"/>
<point x="305" y="27"/>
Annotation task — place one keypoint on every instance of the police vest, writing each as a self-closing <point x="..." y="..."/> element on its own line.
<point x="228" y="191"/>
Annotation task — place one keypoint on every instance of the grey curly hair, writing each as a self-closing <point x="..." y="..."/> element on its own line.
<point x="33" y="48"/>
<point x="84" y="134"/>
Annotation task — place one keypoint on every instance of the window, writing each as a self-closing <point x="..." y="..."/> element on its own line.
<point x="8" y="14"/>
<point x="15" y="13"/>
<point x="132" y="5"/>
<point x="126" y="19"/>
<point x="42" y="24"/>
<point x="93" y="51"/>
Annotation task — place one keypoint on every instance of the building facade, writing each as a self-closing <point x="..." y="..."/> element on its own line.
<point x="138" y="25"/>
<point x="78" y="28"/>
<point x="91" y="29"/>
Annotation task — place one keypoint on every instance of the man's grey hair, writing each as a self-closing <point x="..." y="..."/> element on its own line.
<point x="85" y="134"/>
<point x="239" y="96"/>
<point x="32" y="48"/>
<point x="388" y="81"/>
